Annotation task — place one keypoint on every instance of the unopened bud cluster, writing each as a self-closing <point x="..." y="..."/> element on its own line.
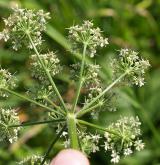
<point x="9" y="117"/>
<point x="87" y="34"/>
<point x="126" y="138"/>
<point x="21" y="23"/>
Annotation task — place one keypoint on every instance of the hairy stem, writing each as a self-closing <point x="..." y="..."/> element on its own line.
<point x="72" y="131"/>
<point x="48" y="74"/>
<point x="52" y="144"/>
<point x="101" y="94"/>
<point x="32" y="101"/>
<point x="80" y="78"/>
<point x="37" y="123"/>
<point x="97" y="127"/>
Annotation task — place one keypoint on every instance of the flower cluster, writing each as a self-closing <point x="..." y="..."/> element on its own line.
<point x="33" y="160"/>
<point x="87" y="34"/>
<point x="125" y="138"/>
<point x="91" y="79"/>
<point x="8" y="118"/>
<point x="24" y="22"/>
<point x="130" y="62"/>
<point x="89" y="142"/>
<point x="40" y="93"/>
<point x="92" y="83"/>
<point x="51" y="63"/>
<point x="7" y="80"/>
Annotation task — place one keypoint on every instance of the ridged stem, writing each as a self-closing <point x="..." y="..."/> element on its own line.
<point x="72" y="131"/>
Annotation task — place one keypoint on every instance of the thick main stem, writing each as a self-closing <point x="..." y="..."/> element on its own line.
<point x="48" y="74"/>
<point x="80" y="78"/>
<point x="72" y="131"/>
<point x="101" y="94"/>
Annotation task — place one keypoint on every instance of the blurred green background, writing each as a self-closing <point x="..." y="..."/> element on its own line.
<point x="128" y="24"/>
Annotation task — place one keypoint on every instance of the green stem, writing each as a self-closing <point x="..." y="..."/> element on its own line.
<point x="81" y="113"/>
<point x="52" y="144"/>
<point x="101" y="94"/>
<point x="48" y="74"/>
<point x="98" y="127"/>
<point x="54" y="105"/>
<point x="37" y="123"/>
<point x="72" y="131"/>
<point x="80" y="78"/>
<point x="32" y="101"/>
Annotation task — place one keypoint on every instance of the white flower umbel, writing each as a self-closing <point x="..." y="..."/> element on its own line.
<point x="7" y="80"/>
<point x="126" y="139"/>
<point x="33" y="160"/>
<point x="87" y="34"/>
<point x="21" y="23"/>
<point x="129" y="61"/>
<point x="51" y="63"/>
<point x="9" y="117"/>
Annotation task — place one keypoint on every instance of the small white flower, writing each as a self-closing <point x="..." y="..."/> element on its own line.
<point x="139" y="145"/>
<point x="106" y="146"/>
<point x="127" y="151"/>
<point x="64" y="133"/>
<point x="115" y="157"/>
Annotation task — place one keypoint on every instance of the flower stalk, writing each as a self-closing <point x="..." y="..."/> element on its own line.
<point x="97" y="127"/>
<point x="81" y="81"/>
<point x="84" y="109"/>
<point x="32" y="101"/>
<point x="37" y="123"/>
<point x="54" y="105"/>
<point x="47" y="73"/>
